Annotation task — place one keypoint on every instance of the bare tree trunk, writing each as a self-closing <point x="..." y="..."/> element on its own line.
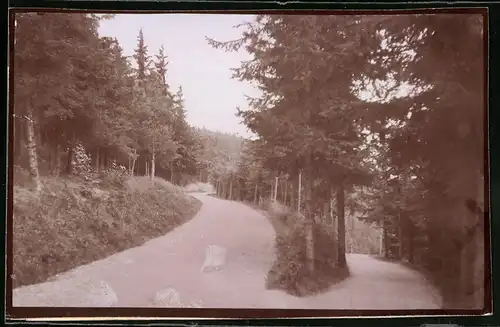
<point x="331" y="210"/>
<point x="231" y="187"/>
<point x="332" y="221"/>
<point x="172" y="172"/>
<point x="275" y="192"/>
<point x="255" y="192"/>
<point x="57" y="166"/>
<point x="285" y="193"/>
<point x="400" y="237"/>
<point x="341" y="259"/>
<point x="350" y="219"/>
<point x="153" y="165"/>
<point x="134" y="159"/>
<point x="309" y="227"/>
<point x="32" y="153"/>
<point x="385" y="225"/>
<point x="299" y="191"/>
<point x="385" y="238"/>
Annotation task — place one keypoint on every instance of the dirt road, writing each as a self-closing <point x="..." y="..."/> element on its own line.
<point x="134" y="278"/>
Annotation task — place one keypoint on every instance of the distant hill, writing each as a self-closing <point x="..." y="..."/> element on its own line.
<point x="221" y="151"/>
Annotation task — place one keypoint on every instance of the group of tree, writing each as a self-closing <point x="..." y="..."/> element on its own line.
<point x="379" y="115"/>
<point x="75" y="91"/>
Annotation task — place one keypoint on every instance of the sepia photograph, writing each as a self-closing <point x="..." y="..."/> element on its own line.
<point x="278" y="160"/>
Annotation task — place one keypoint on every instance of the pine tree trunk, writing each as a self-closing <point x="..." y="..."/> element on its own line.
<point x="255" y="193"/>
<point x="231" y="188"/>
<point x="341" y="259"/>
<point x="32" y="153"/>
<point x="350" y="219"/>
<point x="153" y="165"/>
<point x="172" y="172"/>
<point x="331" y="210"/>
<point x="332" y="222"/>
<point x="134" y="159"/>
<point x="299" y="191"/>
<point x="400" y="237"/>
<point x="385" y="225"/>
<point x="309" y="214"/>
<point x="285" y="193"/>
<point x="385" y="238"/>
<point x="275" y="189"/>
<point x="411" y="243"/>
<point x="57" y="158"/>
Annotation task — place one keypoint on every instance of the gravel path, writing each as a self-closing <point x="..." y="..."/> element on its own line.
<point x="167" y="271"/>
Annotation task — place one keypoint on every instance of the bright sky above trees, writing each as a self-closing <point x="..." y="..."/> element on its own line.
<point x="204" y="73"/>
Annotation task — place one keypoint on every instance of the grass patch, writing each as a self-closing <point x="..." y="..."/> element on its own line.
<point x="74" y="222"/>
<point x="289" y="271"/>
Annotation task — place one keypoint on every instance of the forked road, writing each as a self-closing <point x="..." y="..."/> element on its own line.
<point x="133" y="277"/>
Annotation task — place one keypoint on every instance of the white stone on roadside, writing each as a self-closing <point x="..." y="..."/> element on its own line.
<point x="215" y="258"/>
<point x="106" y="296"/>
<point x="168" y="298"/>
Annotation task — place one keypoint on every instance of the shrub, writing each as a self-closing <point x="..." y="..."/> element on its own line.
<point x="81" y="162"/>
<point x="114" y="176"/>
<point x="290" y="271"/>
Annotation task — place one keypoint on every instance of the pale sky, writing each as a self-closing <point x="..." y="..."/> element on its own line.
<point x="204" y="72"/>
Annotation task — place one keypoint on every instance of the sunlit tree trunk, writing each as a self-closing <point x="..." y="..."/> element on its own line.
<point x="172" y="171"/>
<point x="57" y="158"/>
<point x="341" y="259"/>
<point x="309" y="214"/>
<point x="275" y="189"/>
<point x="134" y="159"/>
<point x="299" y="191"/>
<point x="231" y="187"/>
<point x="153" y="165"/>
<point x="32" y="152"/>
<point x="255" y="192"/>
<point x="285" y="200"/>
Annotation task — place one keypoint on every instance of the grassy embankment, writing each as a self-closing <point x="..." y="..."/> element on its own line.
<point x="73" y="222"/>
